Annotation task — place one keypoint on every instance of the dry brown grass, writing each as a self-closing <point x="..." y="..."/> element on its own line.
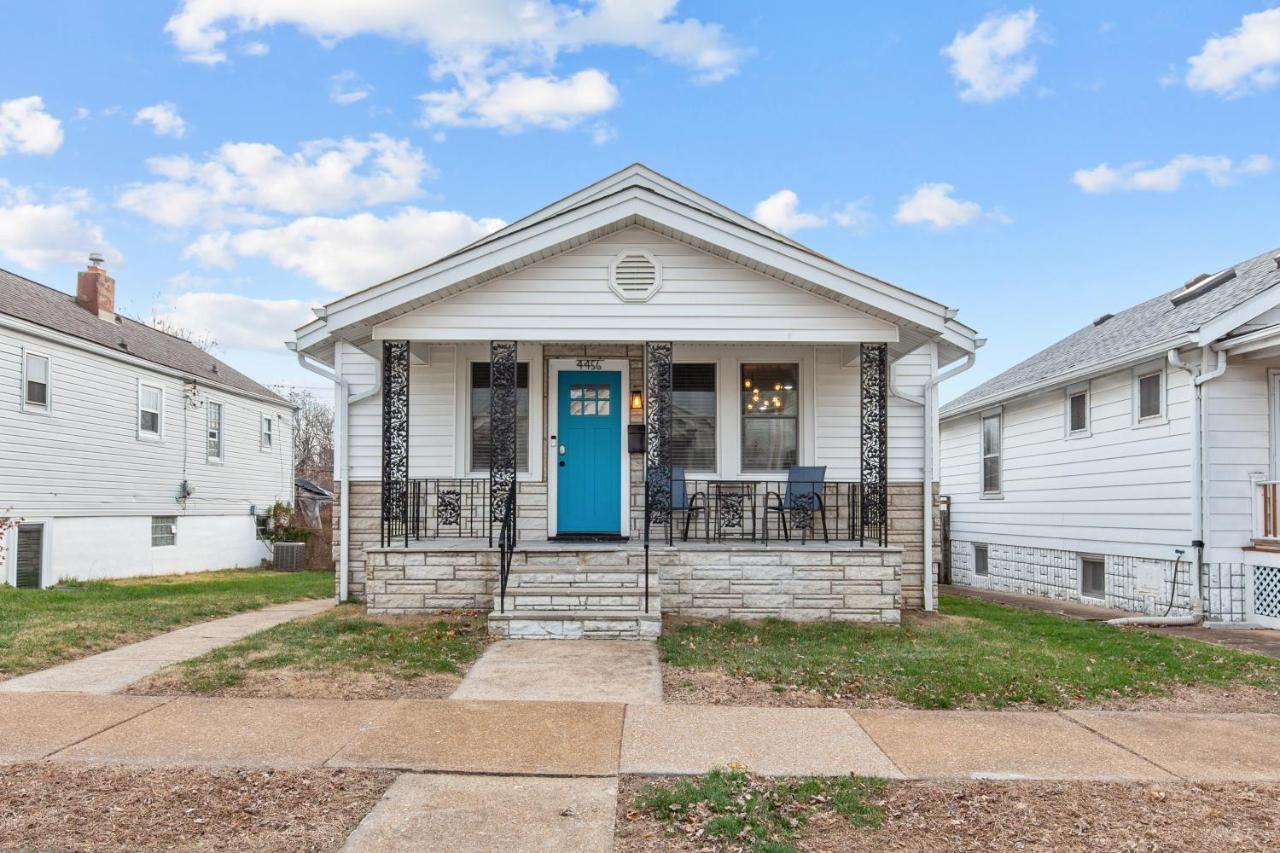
<point x="1039" y="816"/>
<point x="55" y="807"/>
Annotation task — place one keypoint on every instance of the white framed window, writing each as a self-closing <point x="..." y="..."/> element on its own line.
<point x="478" y="380"/>
<point x="991" y="438"/>
<point x="693" y="416"/>
<point x="150" y="411"/>
<point x="266" y="437"/>
<point x="1077" y="411"/>
<point x="37" y="382"/>
<point x="164" y="531"/>
<point x="1149" y="395"/>
<point x="981" y="560"/>
<point x="1093" y="577"/>
<point x="770" y="413"/>
<point x="213" y="431"/>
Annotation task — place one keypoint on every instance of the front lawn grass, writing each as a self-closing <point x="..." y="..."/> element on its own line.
<point x="43" y="627"/>
<point x="342" y="645"/>
<point x="976" y="654"/>
<point x="732" y="809"/>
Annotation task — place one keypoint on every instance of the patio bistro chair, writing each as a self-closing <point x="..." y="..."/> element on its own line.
<point x="683" y="501"/>
<point x="801" y="501"/>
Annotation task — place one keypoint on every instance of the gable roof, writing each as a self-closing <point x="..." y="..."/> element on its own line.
<point x="1159" y="322"/>
<point x="45" y="306"/>
<point x="640" y="196"/>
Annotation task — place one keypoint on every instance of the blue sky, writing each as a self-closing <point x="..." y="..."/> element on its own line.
<point x="1033" y="165"/>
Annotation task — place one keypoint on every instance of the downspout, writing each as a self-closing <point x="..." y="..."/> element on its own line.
<point x="1199" y="377"/>
<point x="344" y="509"/>
<point x="929" y="401"/>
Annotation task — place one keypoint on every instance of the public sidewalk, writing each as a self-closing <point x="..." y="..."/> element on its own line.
<point x="581" y="739"/>
<point x="116" y="669"/>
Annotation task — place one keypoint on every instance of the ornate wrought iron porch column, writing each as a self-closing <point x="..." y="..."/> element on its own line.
<point x="395" y="441"/>
<point x="874" y="366"/>
<point x="657" y="456"/>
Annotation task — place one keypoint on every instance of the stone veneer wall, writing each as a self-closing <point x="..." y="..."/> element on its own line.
<point x="806" y="583"/>
<point x="1136" y="584"/>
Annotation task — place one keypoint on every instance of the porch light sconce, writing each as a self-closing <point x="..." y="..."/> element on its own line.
<point x="637" y="400"/>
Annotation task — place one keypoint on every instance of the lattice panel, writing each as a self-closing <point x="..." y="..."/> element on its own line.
<point x="1266" y="591"/>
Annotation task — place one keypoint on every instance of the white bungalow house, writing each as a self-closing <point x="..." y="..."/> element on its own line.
<point x="1133" y="463"/>
<point x="649" y="368"/>
<point x="124" y="450"/>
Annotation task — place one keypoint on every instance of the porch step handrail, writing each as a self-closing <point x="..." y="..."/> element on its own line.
<point x="506" y="546"/>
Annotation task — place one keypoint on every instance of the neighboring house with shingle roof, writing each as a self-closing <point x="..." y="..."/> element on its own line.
<point x="1132" y="463"/>
<point x="125" y="450"/>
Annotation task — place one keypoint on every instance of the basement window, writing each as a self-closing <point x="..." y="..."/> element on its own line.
<point x="164" y="530"/>
<point x="981" y="564"/>
<point x="1093" y="577"/>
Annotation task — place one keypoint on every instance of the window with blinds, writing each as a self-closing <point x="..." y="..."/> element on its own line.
<point x="693" y="416"/>
<point x="480" y="443"/>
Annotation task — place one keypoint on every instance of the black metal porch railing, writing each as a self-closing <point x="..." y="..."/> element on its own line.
<point x="772" y="511"/>
<point x="458" y="508"/>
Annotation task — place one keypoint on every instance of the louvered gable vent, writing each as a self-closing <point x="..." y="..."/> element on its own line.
<point x="635" y="275"/>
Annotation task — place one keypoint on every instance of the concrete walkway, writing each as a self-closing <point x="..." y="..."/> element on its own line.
<point x="111" y="671"/>
<point x="1261" y="641"/>
<point x="602" y="740"/>
<point x="624" y="671"/>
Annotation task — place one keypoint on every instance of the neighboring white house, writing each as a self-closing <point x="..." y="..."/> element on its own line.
<point x="124" y="450"/>
<point x="1142" y="445"/>
<point x="633" y="326"/>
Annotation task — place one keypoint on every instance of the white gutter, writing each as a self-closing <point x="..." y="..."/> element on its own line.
<point x="1199" y="377"/>
<point x="344" y="508"/>
<point x="929" y="401"/>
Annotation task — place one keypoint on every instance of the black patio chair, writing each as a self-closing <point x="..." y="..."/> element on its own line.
<point x="683" y="501"/>
<point x="801" y="501"/>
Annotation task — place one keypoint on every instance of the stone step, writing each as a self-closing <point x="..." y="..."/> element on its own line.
<point x="575" y="625"/>
<point x="539" y="598"/>
<point x="586" y="578"/>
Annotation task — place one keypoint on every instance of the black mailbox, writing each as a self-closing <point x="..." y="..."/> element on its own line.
<point x="635" y="438"/>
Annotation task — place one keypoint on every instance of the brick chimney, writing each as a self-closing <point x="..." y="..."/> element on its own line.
<point x="96" y="291"/>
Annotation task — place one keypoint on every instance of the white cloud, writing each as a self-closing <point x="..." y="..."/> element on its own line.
<point x="246" y="183"/>
<point x="991" y="62"/>
<point x="163" y="118"/>
<point x="932" y="204"/>
<point x="781" y="212"/>
<point x="1220" y="171"/>
<point x="235" y="321"/>
<point x="348" y="88"/>
<point x="255" y="48"/>
<point x="26" y="127"/>
<point x="38" y="233"/>
<point x="856" y="216"/>
<point x="344" y="254"/>
<point x="515" y="102"/>
<point x="469" y="32"/>
<point x="602" y="133"/>
<point x="1246" y="61"/>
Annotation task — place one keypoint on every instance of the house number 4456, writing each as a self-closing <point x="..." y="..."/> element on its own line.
<point x="590" y="364"/>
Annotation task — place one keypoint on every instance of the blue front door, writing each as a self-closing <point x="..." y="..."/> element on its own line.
<point x="589" y="452"/>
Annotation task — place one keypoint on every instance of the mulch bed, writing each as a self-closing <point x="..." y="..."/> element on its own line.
<point x="984" y="816"/>
<point x="57" y="807"/>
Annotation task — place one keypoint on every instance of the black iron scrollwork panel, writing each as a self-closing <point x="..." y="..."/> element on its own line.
<point x="657" y="469"/>
<point x="875" y="440"/>
<point x="502" y="425"/>
<point x="395" y="440"/>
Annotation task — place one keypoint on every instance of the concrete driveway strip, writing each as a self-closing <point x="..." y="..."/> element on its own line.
<point x="1198" y="747"/>
<point x="581" y="671"/>
<point x="1000" y="745"/>
<point x="479" y="814"/>
<point x="232" y="733"/>
<point x="539" y="738"/>
<point x="114" y="670"/>
<point x="33" y="725"/>
<point x="773" y="741"/>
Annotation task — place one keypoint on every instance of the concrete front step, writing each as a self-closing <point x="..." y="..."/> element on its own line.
<point x="577" y="598"/>
<point x="575" y="625"/>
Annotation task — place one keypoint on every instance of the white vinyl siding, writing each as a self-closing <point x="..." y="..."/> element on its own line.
<point x="150" y="411"/>
<point x="1116" y="491"/>
<point x="84" y="458"/>
<point x="703" y="297"/>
